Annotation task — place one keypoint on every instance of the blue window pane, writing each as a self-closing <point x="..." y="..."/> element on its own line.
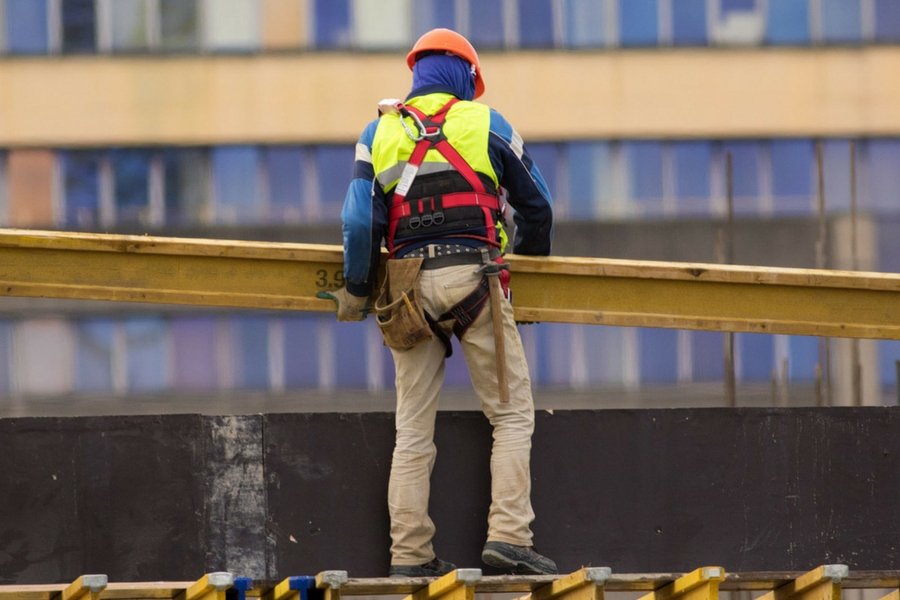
<point x="585" y="23"/>
<point x="301" y="351"/>
<point x="554" y="354"/>
<point x="185" y="186"/>
<point x="332" y="24"/>
<point x="194" y="343"/>
<point x="351" y="369"/>
<point x="887" y="20"/>
<point x="804" y="356"/>
<point x="745" y="162"/>
<point x="94" y="355"/>
<point x="787" y="22"/>
<point x="792" y="175"/>
<point x="26" y="26"/>
<point x="235" y="170"/>
<point x="179" y="25"/>
<point x="836" y="169"/>
<point x="726" y="6"/>
<point x="486" y="24"/>
<point x="81" y="183"/>
<point x="644" y="160"/>
<point x="689" y="22"/>
<point x="148" y="354"/>
<point x="335" y="167"/>
<point x="78" y="26"/>
<point x="884" y="174"/>
<point x="456" y="373"/>
<point x="692" y="176"/>
<point x="889" y="245"/>
<point x="131" y="169"/>
<point x="546" y="157"/>
<point x="5" y="355"/>
<point x="888" y="355"/>
<point x="841" y="21"/>
<point x="284" y="169"/>
<point x="707" y="355"/>
<point x="606" y="361"/>
<point x="756" y="354"/>
<point x="535" y="24"/>
<point x="587" y="162"/>
<point x="658" y="355"/>
<point x="638" y="23"/>
<point x="428" y="14"/>
<point x="251" y="352"/>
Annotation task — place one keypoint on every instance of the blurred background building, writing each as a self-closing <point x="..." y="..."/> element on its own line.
<point x="238" y="118"/>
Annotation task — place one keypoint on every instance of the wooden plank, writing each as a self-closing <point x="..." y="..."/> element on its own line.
<point x="85" y="585"/>
<point x="456" y="585"/>
<point x="699" y="584"/>
<point x="211" y="586"/>
<point x="821" y="583"/>
<point x="584" y="584"/>
<point x="567" y="290"/>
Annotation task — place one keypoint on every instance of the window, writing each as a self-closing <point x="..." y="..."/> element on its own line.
<point x="658" y="355"/>
<point x="841" y="21"/>
<point x="26" y="27"/>
<point x="553" y="365"/>
<point x="692" y="176"/>
<point x="546" y="157"/>
<point x="179" y="25"/>
<point x="889" y="246"/>
<point x="755" y="354"/>
<point x="231" y="25"/>
<point x="38" y="343"/>
<point x="605" y="359"/>
<point x="332" y="23"/>
<point x="235" y="180"/>
<point x="284" y="176"/>
<point x="351" y="368"/>
<point x="638" y="23"/>
<point x="887" y="21"/>
<point x="804" y="356"/>
<point x="889" y="356"/>
<point x="586" y="23"/>
<point x="689" y="22"/>
<point x="428" y="14"/>
<point x="383" y="24"/>
<point x="792" y="175"/>
<point x="335" y="168"/>
<point x="284" y="24"/>
<point x="536" y="24"/>
<point x="787" y="22"/>
<point x="195" y="346"/>
<point x="147" y="352"/>
<point x="745" y="167"/>
<point x="250" y="335"/>
<point x="836" y="169"/>
<point x="185" y="185"/>
<point x="131" y="185"/>
<point x="644" y="160"/>
<point x="737" y="22"/>
<point x="884" y="174"/>
<point x="79" y="30"/>
<point x="81" y="188"/>
<point x="486" y="24"/>
<point x="301" y="351"/>
<point x="707" y="356"/>
<point x="30" y="178"/>
<point x="130" y="25"/>
<point x="588" y="164"/>
<point x="94" y="357"/>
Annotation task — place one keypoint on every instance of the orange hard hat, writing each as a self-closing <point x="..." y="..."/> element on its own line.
<point x="447" y="40"/>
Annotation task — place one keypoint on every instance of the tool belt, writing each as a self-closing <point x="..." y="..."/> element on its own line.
<point x="398" y="310"/>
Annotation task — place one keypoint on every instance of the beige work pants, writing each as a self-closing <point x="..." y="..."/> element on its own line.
<point x="419" y="377"/>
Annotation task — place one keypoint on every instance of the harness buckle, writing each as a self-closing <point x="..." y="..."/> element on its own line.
<point x="438" y="217"/>
<point x="415" y="222"/>
<point x="427" y="220"/>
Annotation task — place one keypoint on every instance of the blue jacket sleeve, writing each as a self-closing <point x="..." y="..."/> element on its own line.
<point x="364" y="219"/>
<point x="527" y="191"/>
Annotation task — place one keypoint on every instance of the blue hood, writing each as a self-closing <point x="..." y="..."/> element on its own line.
<point x="443" y="73"/>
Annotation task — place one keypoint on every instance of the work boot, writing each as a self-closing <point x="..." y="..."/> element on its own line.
<point x="434" y="568"/>
<point x="519" y="560"/>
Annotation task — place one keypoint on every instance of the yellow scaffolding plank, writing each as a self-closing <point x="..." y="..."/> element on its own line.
<point x="895" y="595"/>
<point x="456" y="585"/>
<point x="822" y="583"/>
<point x="84" y="585"/>
<point x="700" y="584"/>
<point x="558" y="289"/>
<point x="584" y="584"/>
<point x="331" y="583"/>
<point x="211" y="586"/>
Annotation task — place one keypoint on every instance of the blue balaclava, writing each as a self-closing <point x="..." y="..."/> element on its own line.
<point x="443" y="72"/>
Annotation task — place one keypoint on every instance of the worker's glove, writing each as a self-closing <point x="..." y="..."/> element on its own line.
<point x="349" y="307"/>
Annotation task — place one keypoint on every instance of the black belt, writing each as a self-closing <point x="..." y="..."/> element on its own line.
<point x="438" y="256"/>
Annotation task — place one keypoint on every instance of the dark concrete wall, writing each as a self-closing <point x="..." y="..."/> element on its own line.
<point x="269" y="496"/>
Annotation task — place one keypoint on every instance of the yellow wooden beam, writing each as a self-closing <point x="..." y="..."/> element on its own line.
<point x="85" y="585"/>
<point x="895" y="595"/>
<point x="211" y="586"/>
<point x="584" y="584"/>
<point x="822" y="583"/>
<point x="552" y="289"/>
<point x="456" y="585"/>
<point x="700" y="584"/>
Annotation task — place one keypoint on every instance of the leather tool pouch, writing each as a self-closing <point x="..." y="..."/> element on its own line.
<point x="398" y="311"/>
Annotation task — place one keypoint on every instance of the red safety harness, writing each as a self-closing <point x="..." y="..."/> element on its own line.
<point x="428" y="211"/>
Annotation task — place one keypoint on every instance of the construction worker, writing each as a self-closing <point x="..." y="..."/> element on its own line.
<point x="428" y="181"/>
